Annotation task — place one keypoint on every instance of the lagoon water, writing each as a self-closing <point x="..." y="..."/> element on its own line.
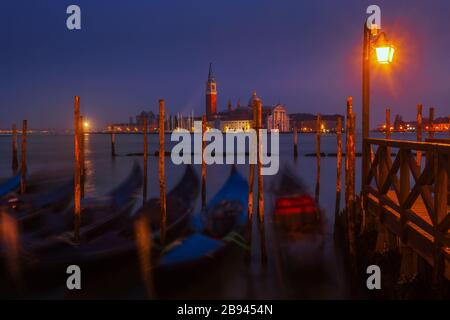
<point x="55" y="152"/>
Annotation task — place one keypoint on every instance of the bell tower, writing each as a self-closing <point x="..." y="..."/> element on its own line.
<point x="211" y="94"/>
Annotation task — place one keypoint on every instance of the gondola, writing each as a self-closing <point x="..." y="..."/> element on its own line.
<point x="9" y="185"/>
<point x="299" y="231"/>
<point x="49" y="195"/>
<point x="115" y="246"/>
<point x="97" y="215"/>
<point x="294" y="209"/>
<point x="217" y="230"/>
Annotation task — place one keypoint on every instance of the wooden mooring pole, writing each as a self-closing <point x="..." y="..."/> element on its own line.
<point x="419" y="134"/>
<point x="295" y="142"/>
<point x="203" y="161"/>
<point x="260" y="207"/>
<point x="15" y="162"/>
<point x="113" y="142"/>
<point x="23" y="160"/>
<point x="339" y="166"/>
<point x="144" y="245"/>
<point x="82" y="156"/>
<point x="350" y="182"/>
<point x="144" y="132"/>
<point x="77" y="170"/>
<point x="162" y="180"/>
<point x="431" y="124"/>
<point x="318" y="130"/>
<point x="388" y="123"/>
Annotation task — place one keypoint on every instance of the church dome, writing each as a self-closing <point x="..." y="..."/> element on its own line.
<point x="253" y="99"/>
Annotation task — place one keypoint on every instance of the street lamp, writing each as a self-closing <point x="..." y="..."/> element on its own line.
<point x="373" y="42"/>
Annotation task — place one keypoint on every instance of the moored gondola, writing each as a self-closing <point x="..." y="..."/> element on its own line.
<point x="9" y="185"/>
<point x="217" y="229"/>
<point x="294" y="208"/>
<point x="109" y="247"/>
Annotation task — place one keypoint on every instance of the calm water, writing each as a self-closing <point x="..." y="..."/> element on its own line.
<point x="47" y="153"/>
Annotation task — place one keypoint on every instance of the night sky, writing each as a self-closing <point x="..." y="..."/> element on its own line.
<point x="305" y="54"/>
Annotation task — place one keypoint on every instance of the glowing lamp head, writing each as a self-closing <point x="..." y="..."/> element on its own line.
<point x="385" y="55"/>
<point x="86" y="125"/>
<point x="384" y="50"/>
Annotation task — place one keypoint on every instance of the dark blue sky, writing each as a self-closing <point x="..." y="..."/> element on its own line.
<point x="305" y="54"/>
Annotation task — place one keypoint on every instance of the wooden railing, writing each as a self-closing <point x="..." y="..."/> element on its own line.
<point x="418" y="212"/>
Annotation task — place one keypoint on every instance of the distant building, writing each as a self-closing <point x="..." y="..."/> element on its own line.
<point x="277" y="119"/>
<point x="306" y="122"/>
<point x="211" y="94"/>
<point x="241" y="117"/>
<point x="441" y="124"/>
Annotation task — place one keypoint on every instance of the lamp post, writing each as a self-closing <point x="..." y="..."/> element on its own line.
<point x="373" y="42"/>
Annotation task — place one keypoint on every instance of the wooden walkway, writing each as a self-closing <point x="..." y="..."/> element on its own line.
<point x="417" y="214"/>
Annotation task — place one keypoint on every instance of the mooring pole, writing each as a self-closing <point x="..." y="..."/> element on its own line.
<point x="350" y="192"/>
<point x="260" y="207"/>
<point x="318" y="129"/>
<point x="144" y="132"/>
<point x="419" y="133"/>
<point x="23" y="169"/>
<point x="77" y="170"/>
<point x="162" y="181"/>
<point x="388" y="123"/>
<point x="203" y="161"/>
<point x="339" y="166"/>
<point x="82" y="170"/>
<point x="295" y="142"/>
<point x="15" y="162"/>
<point x="431" y="124"/>
<point x="144" y="245"/>
<point x="113" y="142"/>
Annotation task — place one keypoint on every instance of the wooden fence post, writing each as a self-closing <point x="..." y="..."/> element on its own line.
<point x="162" y="182"/>
<point x="441" y="188"/>
<point x="23" y="183"/>
<point x="318" y="130"/>
<point x="77" y="170"/>
<point x="15" y="162"/>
